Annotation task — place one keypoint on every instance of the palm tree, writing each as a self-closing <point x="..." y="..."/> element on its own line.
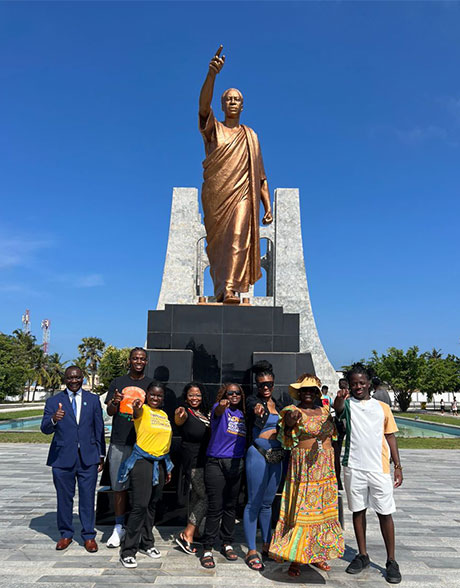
<point x="56" y="369"/>
<point x="91" y="349"/>
<point x="40" y="368"/>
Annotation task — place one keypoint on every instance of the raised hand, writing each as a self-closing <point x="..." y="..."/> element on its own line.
<point x="137" y="404"/>
<point x="292" y="418"/>
<point x="343" y="394"/>
<point x="225" y="403"/>
<point x="217" y="62"/>
<point x="259" y="409"/>
<point x="180" y="412"/>
<point x="59" y="414"/>
<point x="117" y="397"/>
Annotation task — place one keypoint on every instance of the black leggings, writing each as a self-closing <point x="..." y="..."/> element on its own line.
<point x="139" y="529"/>
<point x="222" y="478"/>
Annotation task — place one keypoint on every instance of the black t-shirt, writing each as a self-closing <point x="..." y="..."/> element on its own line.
<point x="123" y="432"/>
<point x="195" y="438"/>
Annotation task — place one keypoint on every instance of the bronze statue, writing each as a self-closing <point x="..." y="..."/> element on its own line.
<point x="234" y="184"/>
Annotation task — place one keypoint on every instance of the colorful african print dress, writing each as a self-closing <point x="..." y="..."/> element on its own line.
<point x="308" y="529"/>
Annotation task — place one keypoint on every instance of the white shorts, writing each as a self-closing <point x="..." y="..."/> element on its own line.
<point x="369" y="489"/>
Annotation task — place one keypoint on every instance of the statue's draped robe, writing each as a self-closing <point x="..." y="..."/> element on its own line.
<point x="233" y="173"/>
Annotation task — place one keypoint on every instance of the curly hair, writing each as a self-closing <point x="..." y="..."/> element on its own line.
<point x="223" y="390"/>
<point x="204" y="406"/>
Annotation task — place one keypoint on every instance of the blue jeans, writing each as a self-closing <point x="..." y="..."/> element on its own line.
<point x="262" y="481"/>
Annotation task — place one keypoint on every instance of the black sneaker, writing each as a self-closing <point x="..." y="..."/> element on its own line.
<point x="360" y="563"/>
<point x="393" y="573"/>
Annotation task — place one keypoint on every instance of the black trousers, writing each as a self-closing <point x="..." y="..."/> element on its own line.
<point x="222" y="479"/>
<point x="139" y="529"/>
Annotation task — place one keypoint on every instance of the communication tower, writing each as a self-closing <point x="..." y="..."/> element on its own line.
<point x="26" y="321"/>
<point x="45" y="325"/>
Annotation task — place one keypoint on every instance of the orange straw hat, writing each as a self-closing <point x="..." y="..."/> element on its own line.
<point x="307" y="381"/>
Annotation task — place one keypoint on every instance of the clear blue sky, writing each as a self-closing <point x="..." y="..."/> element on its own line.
<point x="357" y="104"/>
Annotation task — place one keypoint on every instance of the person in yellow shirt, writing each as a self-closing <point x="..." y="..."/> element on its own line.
<point x="149" y="468"/>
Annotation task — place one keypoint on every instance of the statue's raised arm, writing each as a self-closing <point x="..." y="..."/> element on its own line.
<point x="215" y="65"/>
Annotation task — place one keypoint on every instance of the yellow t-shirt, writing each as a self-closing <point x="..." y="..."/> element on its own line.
<point x="153" y="431"/>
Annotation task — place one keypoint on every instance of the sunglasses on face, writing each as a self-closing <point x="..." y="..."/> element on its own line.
<point x="262" y="385"/>
<point x="233" y="393"/>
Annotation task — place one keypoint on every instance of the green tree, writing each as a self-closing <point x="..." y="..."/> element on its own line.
<point x="91" y="349"/>
<point x="40" y="370"/>
<point x="403" y="371"/>
<point x="114" y="363"/>
<point x="56" y="368"/>
<point x="26" y="352"/>
<point x="14" y="367"/>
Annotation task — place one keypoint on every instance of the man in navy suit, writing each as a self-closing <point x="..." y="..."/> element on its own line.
<point x="76" y="454"/>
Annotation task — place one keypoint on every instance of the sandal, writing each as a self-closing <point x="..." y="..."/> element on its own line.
<point x="252" y="561"/>
<point x="207" y="561"/>
<point x="185" y="545"/>
<point x="322" y="565"/>
<point x="294" y="570"/>
<point x="228" y="552"/>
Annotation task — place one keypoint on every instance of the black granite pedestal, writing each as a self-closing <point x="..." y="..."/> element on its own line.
<point x="223" y="343"/>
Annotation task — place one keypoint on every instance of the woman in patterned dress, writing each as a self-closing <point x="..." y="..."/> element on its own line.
<point x="308" y="530"/>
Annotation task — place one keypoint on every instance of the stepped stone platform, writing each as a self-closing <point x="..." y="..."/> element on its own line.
<point x="427" y="527"/>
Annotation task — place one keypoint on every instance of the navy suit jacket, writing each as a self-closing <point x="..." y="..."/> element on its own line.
<point x="88" y="435"/>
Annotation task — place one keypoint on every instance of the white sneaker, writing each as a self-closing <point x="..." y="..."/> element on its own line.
<point x="151" y="552"/>
<point x="129" y="561"/>
<point x="116" y="537"/>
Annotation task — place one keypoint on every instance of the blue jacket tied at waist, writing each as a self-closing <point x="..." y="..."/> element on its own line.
<point x="139" y="453"/>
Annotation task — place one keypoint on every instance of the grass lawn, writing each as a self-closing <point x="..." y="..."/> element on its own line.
<point x="433" y="418"/>
<point x="29" y="437"/>
<point x="19" y="414"/>
<point x="427" y="443"/>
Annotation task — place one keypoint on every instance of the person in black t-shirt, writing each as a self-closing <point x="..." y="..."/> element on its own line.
<point x="119" y="401"/>
<point x="192" y="419"/>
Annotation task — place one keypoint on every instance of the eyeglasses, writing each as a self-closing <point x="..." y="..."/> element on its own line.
<point x="233" y="393"/>
<point x="262" y="385"/>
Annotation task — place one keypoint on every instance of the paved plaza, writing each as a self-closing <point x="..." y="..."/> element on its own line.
<point x="427" y="527"/>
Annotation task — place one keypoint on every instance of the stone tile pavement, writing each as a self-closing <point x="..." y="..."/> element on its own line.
<point x="427" y="527"/>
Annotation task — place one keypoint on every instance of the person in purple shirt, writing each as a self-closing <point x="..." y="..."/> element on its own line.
<point x="224" y="468"/>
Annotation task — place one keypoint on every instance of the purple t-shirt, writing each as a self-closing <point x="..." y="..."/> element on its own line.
<point x="228" y="434"/>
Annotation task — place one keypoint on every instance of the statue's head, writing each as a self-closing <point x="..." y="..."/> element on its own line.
<point x="232" y="103"/>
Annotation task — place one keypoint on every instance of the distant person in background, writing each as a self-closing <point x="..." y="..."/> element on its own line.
<point x="442" y="406"/>
<point x="76" y="454"/>
<point x="122" y="391"/>
<point x="454" y="407"/>
<point x="337" y="443"/>
<point x="380" y="392"/>
<point x="326" y="400"/>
